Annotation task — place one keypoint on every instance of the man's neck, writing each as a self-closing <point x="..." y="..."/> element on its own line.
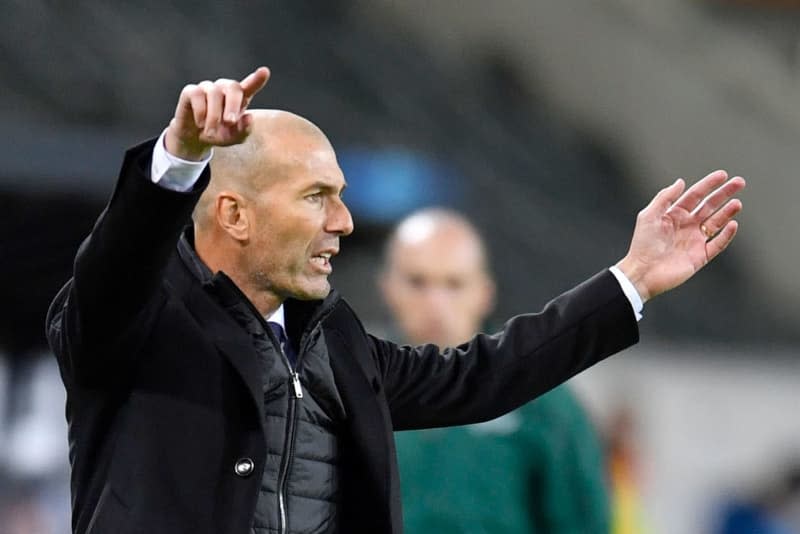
<point x="266" y="302"/>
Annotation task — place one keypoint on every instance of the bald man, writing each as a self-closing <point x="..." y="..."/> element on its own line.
<point x="435" y="278"/>
<point x="215" y="383"/>
<point x="538" y="469"/>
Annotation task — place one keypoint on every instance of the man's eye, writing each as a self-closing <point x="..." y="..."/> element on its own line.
<point x="314" y="197"/>
<point x="455" y="284"/>
<point x="416" y="282"/>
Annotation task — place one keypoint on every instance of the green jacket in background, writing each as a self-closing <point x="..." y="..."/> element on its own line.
<point x="539" y="469"/>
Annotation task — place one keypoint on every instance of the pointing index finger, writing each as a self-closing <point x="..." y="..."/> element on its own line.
<point x="254" y="82"/>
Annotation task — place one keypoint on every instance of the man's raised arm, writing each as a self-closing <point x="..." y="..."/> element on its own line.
<point x="675" y="236"/>
<point x="119" y="266"/>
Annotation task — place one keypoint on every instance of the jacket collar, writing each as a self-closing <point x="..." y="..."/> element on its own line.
<point x="190" y="258"/>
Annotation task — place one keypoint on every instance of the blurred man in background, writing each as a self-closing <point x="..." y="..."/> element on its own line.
<point x="537" y="469"/>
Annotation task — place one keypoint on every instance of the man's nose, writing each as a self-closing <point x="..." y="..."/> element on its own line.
<point x="436" y="298"/>
<point x="339" y="219"/>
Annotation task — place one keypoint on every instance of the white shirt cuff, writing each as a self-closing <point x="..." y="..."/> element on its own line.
<point x="629" y="290"/>
<point x="171" y="172"/>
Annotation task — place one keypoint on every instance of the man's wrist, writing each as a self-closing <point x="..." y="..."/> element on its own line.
<point x="634" y="272"/>
<point x="171" y="172"/>
<point x="179" y="148"/>
<point x="633" y="295"/>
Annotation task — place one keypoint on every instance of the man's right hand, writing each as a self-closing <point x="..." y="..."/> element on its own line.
<point x="212" y="114"/>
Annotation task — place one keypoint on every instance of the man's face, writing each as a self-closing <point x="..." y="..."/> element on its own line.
<point x="297" y="219"/>
<point x="437" y="288"/>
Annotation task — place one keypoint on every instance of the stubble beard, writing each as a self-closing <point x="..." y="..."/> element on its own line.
<point x="310" y="290"/>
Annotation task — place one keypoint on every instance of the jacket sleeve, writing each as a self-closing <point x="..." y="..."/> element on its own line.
<point x="99" y="316"/>
<point x="493" y="374"/>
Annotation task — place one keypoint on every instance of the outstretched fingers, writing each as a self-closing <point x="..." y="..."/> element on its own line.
<point x="719" y="219"/>
<point x="666" y="197"/>
<point x="721" y="241"/>
<point x="719" y="197"/>
<point x="693" y="196"/>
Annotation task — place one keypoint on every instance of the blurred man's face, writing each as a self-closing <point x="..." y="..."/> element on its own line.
<point x="436" y="285"/>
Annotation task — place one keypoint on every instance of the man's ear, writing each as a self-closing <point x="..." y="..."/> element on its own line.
<point x="230" y="210"/>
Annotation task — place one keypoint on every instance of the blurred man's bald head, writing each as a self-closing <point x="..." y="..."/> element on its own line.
<point x="278" y="140"/>
<point x="433" y="227"/>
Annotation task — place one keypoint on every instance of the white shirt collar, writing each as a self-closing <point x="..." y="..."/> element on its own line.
<point x="278" y="317"/>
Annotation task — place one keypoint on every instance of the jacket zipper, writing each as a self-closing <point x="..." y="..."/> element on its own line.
<point x="287" y="460"/>
<point x="296" y="387"/>
<point x="291" y="417"/>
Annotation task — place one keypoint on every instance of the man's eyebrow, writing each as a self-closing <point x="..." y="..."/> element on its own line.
<point x="328" y="186"/>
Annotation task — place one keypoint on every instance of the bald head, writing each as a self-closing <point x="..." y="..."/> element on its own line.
<point x="433" y="228"/>
<point x="435" y="278"/>
<point x="277" y="141"/>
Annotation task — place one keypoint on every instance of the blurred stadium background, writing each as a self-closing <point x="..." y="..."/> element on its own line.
<point x="548" y="123"/>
